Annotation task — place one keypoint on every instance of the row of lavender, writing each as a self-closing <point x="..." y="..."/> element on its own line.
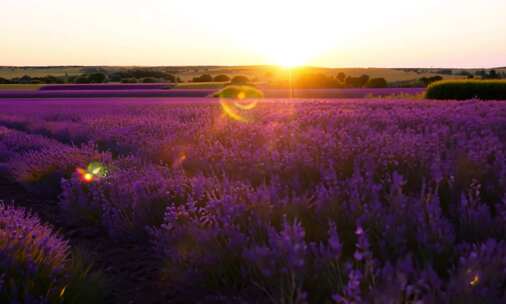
<point x="37" y="264"/>
<point x="159" y="90"/>
<point x="307" y="201"/>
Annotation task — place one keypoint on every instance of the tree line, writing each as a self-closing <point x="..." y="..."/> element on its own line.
<point x="98" y="76"/>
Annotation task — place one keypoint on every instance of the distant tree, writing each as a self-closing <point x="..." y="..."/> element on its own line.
<point x="239" y="80"/>
<point x="341" y="77"/>
<point x="356" y="82"/>
<point x="96" y="77"/>
<point x="4" y="81"/>
<point x="203" y="78"/>
<point x="129" y="80"/>
<point x="82" y="79"/>
<point x="376" y="83"/>
<point x="71" y="79"/>
<point x="315" y="80"/>
<point x="92" y="70"/>
<point x="464" y="73"/>
<point x="115" y="77"/>
<point x="445" y="71"/>
<point x="481" y="73"/>
<point x="428" y="80"/>
<point x="25" y="79"/>
<point x="51" y="79"/>
<point x="364" y="79"/>
<point x="169" y="78"/>
<point x="149" y="80"/>
<point x="492" y="74"/>
<point x="140" y="74"/>
<point x="221" y="78"/>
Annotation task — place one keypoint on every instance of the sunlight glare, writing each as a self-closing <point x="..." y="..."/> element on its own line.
<point x="289" y="33"/>
<point x="93" y="172"/>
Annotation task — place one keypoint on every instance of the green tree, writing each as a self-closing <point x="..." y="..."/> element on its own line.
<point x="221" y="78"/>
<point x="376" y="83"/>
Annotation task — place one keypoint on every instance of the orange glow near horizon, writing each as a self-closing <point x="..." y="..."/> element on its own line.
<point x="328" y="33"/>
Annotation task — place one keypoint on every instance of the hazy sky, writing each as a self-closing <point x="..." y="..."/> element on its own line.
<point x="366" y="33"/>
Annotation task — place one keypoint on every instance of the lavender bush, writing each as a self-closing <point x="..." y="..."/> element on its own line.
<point x="32" y="258"/>
<point x="36" y="264"/>
<point x="41" y="171"/>
<point x="129" y="199"/>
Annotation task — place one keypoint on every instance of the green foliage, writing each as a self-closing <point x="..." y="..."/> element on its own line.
<point x="467" y="89"/>
<point x="376" y="83"/>
<point x="149" y="80"/>
<point x="129" y="80"/>
<point x="356" y="82"/>
<point x="239" y="92"/>
<point x="341" y="77"/>
<point x="221" y="78"/>
<point x="492" y="74"/>
<point x="428" y="80"/>
<point x="239" y="80"/>
<point x="96" y="77"/>
<point x="82" y="79"/>
<point x="203" y="78"/>
<point x="200" y="85"/>
<point x="314" y="81"/>
<point x="139" y="74"/>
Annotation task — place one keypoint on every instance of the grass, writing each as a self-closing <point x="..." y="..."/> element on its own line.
<point x="32" y="87"/>
<point x="467" y="89"/>
<point x="201" y="85"/>
<point x="12" y="72"/>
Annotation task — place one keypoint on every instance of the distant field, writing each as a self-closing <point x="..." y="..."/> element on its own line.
<point x="389" y="74"/>
<point x="276" y="73"/>
<point x="200" y="85"/>
<point x="20" y="86"/>
<point x="11" y="72"/>
<point x="113" y="91"/>
<point x="259" y="73"/>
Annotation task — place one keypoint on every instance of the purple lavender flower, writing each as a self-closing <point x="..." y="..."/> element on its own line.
<point x="32" y="257"/>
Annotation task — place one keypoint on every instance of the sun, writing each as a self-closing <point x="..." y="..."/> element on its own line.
<point x="288" y="60"/>
<point x="287" y="50"/>
<point x="288" y="33"/>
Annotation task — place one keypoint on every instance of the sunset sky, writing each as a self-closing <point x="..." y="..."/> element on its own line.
<point x="334" y="33"/>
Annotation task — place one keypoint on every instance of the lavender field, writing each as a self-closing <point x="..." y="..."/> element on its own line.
<point x="165" y="90"/>
<point x="197" y="200"/>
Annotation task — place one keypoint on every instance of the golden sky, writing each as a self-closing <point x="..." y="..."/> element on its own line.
<point x="334" y="33"/>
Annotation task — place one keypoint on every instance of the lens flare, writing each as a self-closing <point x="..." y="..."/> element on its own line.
<point x="239" y="105"/>
<point x="246" y="106"/>
<point x="179" y="160"/>
<point x="231" y="111"/>
<point x="475" y="280"/>
<point x="94" y="171"/>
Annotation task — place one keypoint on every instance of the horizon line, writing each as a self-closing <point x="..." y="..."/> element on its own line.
<point x="251" y="66"/>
